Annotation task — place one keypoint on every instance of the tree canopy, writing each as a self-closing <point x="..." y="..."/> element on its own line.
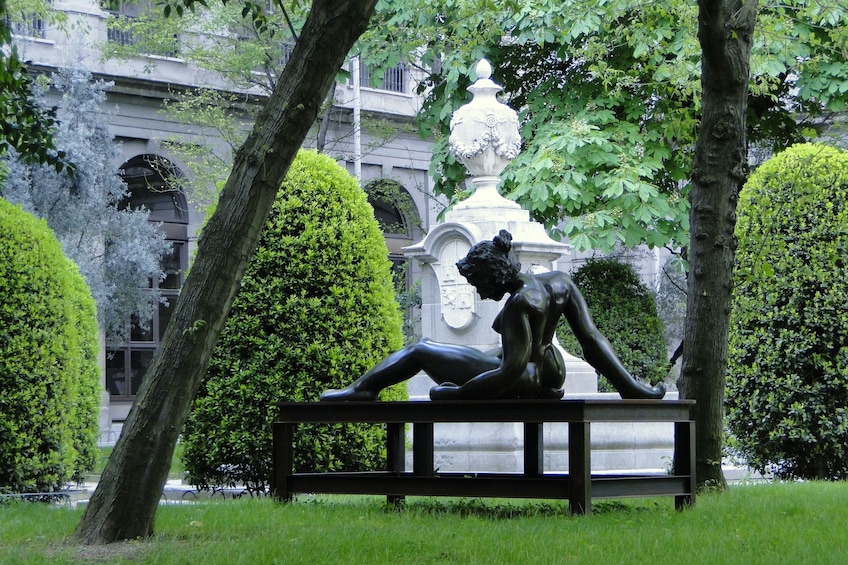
<point x="609" y="96"/>
<point x="115" y="247"/>
<point x="26" y="127"/>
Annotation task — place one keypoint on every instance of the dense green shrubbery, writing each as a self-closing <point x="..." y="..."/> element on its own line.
<point x="49" y="374"/>
<point x="787" y="382"/>
<point x="315" y="310"/>
<point x="626" y="313"/>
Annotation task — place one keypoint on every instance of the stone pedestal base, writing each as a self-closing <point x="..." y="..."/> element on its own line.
<point x="498" y="448"/>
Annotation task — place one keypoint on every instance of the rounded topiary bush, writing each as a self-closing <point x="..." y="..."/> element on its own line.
<point x="315" y="310"/>
<point x="625" y="311"/>
<point x="86" y="402"/>
<point x="787" y="380"/>
<point x="49" y="374"/>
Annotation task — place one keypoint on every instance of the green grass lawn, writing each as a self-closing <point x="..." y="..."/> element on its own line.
<point x="772" y="524"/>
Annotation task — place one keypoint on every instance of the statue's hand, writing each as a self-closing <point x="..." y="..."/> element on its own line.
<point x="445" y="391"/>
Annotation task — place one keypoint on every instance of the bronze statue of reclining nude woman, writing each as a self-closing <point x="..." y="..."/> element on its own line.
<point x="527" y="365"/>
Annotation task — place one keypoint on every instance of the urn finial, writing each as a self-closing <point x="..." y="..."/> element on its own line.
<point x="484" y="133"/>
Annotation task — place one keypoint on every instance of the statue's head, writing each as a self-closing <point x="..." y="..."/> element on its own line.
<point x="491" y="266"/>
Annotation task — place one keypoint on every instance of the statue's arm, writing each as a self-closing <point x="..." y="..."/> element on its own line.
<point x="599" y="353"/>
<point x="596" y="348"/>
<point x="516" y="348"/>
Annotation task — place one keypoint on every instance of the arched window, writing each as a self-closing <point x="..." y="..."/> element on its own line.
<point x="151" y="181"/>
<point x="397" y="215"/>
<point x="395" y="212"/>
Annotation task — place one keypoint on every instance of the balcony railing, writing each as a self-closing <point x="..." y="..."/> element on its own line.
<point x="285" y="55"/>
<point x="281" y="60"/>
<point x="119" y="36"/>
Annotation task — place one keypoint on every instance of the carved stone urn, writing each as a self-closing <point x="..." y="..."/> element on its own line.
<point x="484" y="137"/>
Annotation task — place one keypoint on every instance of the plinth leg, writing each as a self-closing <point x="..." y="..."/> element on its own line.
<point x="534" y="451"/>
<point x="395" y="455"/>
<point x="422" y="449"/>
<point x="283" y="460"/>
<point x="684" y="460"/>
<point x="579" y="468"/>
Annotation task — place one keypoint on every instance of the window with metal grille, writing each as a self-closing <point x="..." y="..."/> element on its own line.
<point x="120" y="28"/>
<point x="394" y="79"/>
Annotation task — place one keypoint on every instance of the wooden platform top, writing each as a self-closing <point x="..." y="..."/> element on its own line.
<point x="587" y="410"/>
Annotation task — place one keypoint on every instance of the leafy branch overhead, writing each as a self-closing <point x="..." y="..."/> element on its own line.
<point x="256" y="11"/>
<point x="609" y="96"/>
<point x="25" y="126"/>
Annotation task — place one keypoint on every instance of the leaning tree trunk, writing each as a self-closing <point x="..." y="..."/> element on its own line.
<point x="725" y="30"/>
<point x="124" y="504"/>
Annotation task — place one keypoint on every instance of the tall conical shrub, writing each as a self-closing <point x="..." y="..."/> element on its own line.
<point x="49" y="374"/>
<point x="316" y="309"/>
<point x="787" y="379"/>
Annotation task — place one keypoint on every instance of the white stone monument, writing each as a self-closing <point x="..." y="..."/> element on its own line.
<point x="485" y="138"/>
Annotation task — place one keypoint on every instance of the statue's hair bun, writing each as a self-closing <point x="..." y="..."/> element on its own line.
<point x="503" y="240"/>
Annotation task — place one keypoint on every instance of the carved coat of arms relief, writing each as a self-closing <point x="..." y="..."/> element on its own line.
<point x="458" y="298"/>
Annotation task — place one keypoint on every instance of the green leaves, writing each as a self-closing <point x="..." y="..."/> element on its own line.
<point x="49" y="366"/>
<point x="606" y="94"/>
<point x="788" y="362"/>
<point x="631" y="70"/>
<point x="597" y="177"/>
<point x="315" y="309"/>
<point x="177" y="7"/>
<point x="25" y="126"/>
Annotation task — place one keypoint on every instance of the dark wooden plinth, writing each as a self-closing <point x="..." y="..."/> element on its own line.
<point x="579" y="485"/>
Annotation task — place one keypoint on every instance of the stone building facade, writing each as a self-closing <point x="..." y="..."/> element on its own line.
<point x="140" y="88"/>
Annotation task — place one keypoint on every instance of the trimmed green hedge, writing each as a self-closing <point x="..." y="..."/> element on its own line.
<point x="625" y="311"/>
<point x="315" y="309"/>
<point x="787" y="381"/>
<point x="49" y="374"/>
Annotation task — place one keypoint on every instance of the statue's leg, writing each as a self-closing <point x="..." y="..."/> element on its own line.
<point x="396" y="368"/>
<point x="441" y="362"/>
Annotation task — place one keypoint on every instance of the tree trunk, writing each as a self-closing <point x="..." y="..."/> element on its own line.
<point x="124" y="504"/>
<point x="719" y="170"/>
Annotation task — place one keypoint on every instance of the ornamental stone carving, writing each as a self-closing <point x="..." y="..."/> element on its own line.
<point x="484" y="133"/>
<point x="458" y="299"/>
